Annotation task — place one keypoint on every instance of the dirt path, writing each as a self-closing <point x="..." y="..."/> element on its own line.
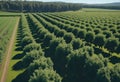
<point x="9" y="52"/>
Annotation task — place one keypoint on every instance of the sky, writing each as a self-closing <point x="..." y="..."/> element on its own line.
<point x="83" y="1"/>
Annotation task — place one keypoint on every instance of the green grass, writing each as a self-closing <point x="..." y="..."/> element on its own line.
<point x="8" y="21"/>
<point x="6" y="30"/>
<point x="3" y="23"/>
<point x="2" y="13"/>
<point x="12" y="73"/>
<point x="9" y="25"/>
<point x="98" y="9"/>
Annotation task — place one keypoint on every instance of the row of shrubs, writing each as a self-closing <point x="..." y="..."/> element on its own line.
<point x="104" y="30"/>
<point x="68" y="64"/>
<point x="52" y="42"/>
<point x="94" y="21"/>
<point x="61" y="52"/>
<point x="67" y="36"/>
<point x="111" y="43"/>
<point x="38" y="67"/>
<point x="71" y="37"/>
<point x="112" y="29"/>
<point x="81" y="63"/>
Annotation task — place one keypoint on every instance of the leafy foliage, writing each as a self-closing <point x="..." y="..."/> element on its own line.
<point x="83" y="65"/>
<point x="99" y="40"/>
<point x="111" y="44"/>
<point x="45" y="75"/>
<point x="68" y="37"/>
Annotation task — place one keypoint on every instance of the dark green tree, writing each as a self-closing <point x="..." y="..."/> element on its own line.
<point x="77" y="43"/>
<point x="83" y="65"/>
<point x="112" y="44"/>
<point x="89" y="36"/>
<point x="30" y="56"/>
<point x="103" y="75"/>
<point x="32" y="46"/>
<point x="68" y="37"/>
<point x="61" y="52"/>
<point x="99" y="40"/>
<point x="115" y="74"/>
<point x="26" y="40"/>
<point x="46" y="75"/>
<point x="82" y="34"/>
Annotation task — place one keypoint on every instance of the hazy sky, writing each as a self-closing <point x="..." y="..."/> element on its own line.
<point x="83" y="1"/>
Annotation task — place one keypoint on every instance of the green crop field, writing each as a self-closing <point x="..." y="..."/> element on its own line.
<point x="98" y="9"/>
<point x="6" y="28"/>
<point x="72" y="46"/>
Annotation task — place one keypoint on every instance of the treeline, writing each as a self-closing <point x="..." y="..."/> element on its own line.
<point x="37" y="6"/>
<point x="34" y="6"/>
<point x="103" y="6"/>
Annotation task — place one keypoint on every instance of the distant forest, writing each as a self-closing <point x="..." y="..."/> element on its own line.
<point x="37" y="6"/>
<point x="115" y="6"/>
<point x="34" y="6"/>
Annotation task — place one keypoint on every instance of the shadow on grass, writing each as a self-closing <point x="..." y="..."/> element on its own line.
<point x="18" y="56"/>
<point x="20" y="65"/>
<point x="114" y="59"/>
<point x="99" y="51"/>
<point x="19" y="48"/>
<point x="23" y="77"/>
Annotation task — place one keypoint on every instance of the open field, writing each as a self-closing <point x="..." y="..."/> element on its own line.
<point x="98" y="10"/>
<point x="6" y="29"/>
<point x="9" y="51"/>
<point x="10" y="14"/>
<point x="60" y="46"/>
<point x="7" y="25"/>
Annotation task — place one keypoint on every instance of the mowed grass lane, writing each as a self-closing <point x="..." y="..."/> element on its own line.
<point x="9" y="25"/>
